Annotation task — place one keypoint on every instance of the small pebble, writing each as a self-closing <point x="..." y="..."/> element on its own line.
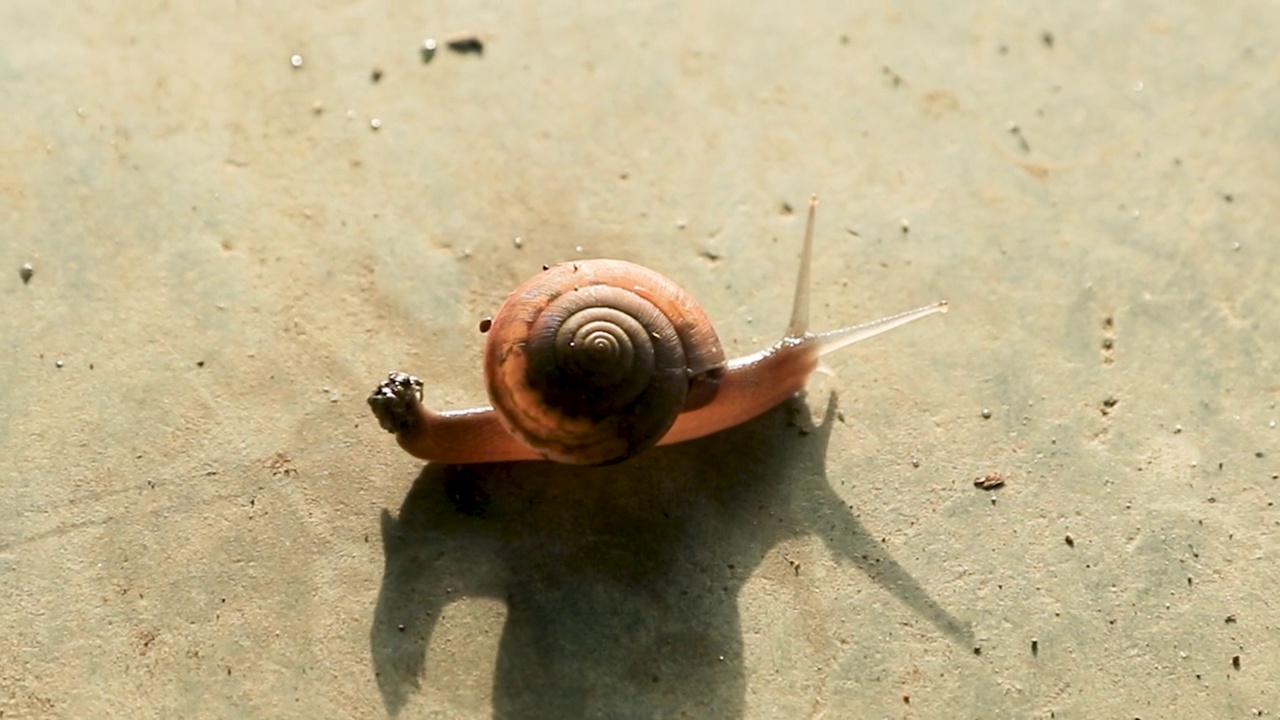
<point x="989" y="481"/>
<point x="518" y="242"/>
<point x="58" y="363"/>
<point x="296" y="61"/>
<point x="375" y="123"/>
<point x="428" y="49"/>
<point x="464" y="44"/>
<point x="27" y="270"/>
<point x="986" y="413"/>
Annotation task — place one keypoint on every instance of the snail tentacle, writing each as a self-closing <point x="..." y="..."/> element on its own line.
<point x="799" y="325"/>
<point x="833" y="340"/>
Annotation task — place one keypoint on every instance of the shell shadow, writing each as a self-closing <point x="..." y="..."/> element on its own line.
<point x="621" y="582"/>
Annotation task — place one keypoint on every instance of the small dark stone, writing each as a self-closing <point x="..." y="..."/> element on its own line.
<point x="468" y="44"/>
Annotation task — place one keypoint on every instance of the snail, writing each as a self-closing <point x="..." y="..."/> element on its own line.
<point x="594" y="361"/>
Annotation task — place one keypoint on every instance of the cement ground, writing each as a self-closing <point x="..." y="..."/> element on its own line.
<point x="199" y="518"/>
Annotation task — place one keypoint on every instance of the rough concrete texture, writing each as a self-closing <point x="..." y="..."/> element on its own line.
<point x="199" y="518"/>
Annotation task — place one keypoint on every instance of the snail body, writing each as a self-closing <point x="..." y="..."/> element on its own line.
<point x="592" y="362"/>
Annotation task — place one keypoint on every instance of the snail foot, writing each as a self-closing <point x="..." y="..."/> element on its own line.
<point x="392" y="401"/>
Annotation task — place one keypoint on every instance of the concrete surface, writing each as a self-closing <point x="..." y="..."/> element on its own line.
<point x="200" y="519"/>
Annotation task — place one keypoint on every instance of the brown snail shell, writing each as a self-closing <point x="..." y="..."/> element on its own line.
<point x="590" y="362"/>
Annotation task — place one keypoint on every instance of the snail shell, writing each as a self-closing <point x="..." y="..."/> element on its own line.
<point x="591" y="362"/>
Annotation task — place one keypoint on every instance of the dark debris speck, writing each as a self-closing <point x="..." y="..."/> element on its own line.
<point x="468" y="44"/>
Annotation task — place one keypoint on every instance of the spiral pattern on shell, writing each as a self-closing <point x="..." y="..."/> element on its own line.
<point x="591" y="362"/>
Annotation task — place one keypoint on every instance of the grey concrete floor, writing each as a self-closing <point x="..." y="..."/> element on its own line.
<point x="198" y="517"/>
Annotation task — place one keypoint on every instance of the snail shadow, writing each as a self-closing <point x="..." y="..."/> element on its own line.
<point x="621" y="583"/>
